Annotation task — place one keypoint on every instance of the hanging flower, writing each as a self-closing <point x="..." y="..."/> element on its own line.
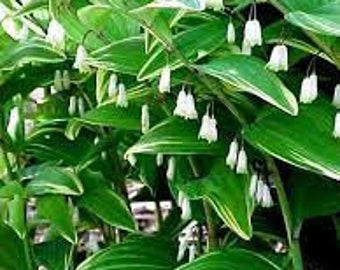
<point x="184" y="204"/>
<point x="336" y="132"/>
<point x="267" y="200"/>
<point x="192" y="252"/>
<point x="180" y="109"/>
<point x="214" y="4"/>
<point x="165" y="80"/>
<point x="336" y="97"/>
<point x="122" y="98"/>
<point x="66" y="80"/>
<point x="231" y="158"/>
<point x="253" y="185"/>
<point x="253" y="32"/>
<point x="81" y="60"/>
<point x="185" y="106"/>
<point x="13" y="122"/>
<point x="58" y="84"/>
<point x="208" y="130"/>
<point x="81" y="106"/>
<point x="113" y="81"/>
<point x="38" y="95"/>
<point x="145" y="119"/>
<point x="259" y="190"/>
<point x="184" y="239"/>
<point x="278" y="59"/>
<point x="72" y="107"/>
<point x="170" y="172"/>
<point x="92" y="244"/>
<point x="56" y="34"/>
<point x="231" y="36"/>
<point x="242" y="162"/>
<point x="246" y="47"/>
<point x="159" y="159"/>
<point x="309" y="89"/>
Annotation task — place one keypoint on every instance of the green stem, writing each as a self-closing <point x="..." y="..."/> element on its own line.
<point x="27" y="249"/>
<point x="158" y="214"/>
<point x="209" y="214"/>
<point x="293" y="238"/>
<point x="212" y="237"/>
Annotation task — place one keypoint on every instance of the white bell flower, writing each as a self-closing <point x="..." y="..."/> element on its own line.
<point x="145" y="119"/>
<point x="192" y="252"/>
<point x="81" y="106"/>
<point x="231" y="159"/>
<point x="66" y="80"/>
<point x="336" y="131"/>
<point x="214" y="4"/>
<point x="278" y="59"/>
<point x="309" y="89"/>
<point x="165" y="80"/>
<point x="253" y="185"/>
<point x="56" y="34"/>
<point x="80" y="62"/>
<point x="242" y="162"/>
<point x="58" y="84"/>
<point x="122" y="98"/>
<point x="336" y="97"/>
<point x="253" y="32"/>
<point x="170" y="172"/>
<point x="159" y="159"/>
<point x="246" y="47"/>
<point x="72" y="107"/>
<point x="113" y="89"/>
<point x="231" y="35"/>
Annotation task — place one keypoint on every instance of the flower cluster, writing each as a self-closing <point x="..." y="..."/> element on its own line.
<point x="62" y="81"/>
<point x="187" y="242"/>
<point x="118" y="91"/>
<point x="259" y="190"/>
<point x="76" y="105"/>
<point x="208" y="129"/>
<point x="185" y="106"/>
<point x="237" y="157"/>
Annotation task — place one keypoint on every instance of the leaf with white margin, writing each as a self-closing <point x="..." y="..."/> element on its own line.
<point x="248" y="74"/>
<point x="305" y="141"/>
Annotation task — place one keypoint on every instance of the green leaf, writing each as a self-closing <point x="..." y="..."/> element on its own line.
<point x="50" y="144"/>
<point x="175" y="136"/>
<point x="54" y="180"/>
<point x="53" y="254"/>
<point x="12" y="253"/>
<point x="304" y="141"/>
<point x="318" y="16"/>
<point x="197" y="5"/>
<point x="16" y="215"/>
<point x="312" y="196"/>
<point x="228" y="194"/>
<point x="112" y="116"/>
<point x="30" y="51"/>
<point x="112" y="24"/>
<point x="142" y="253"/>
<point x="248" y="74"/>
<point x="124" y="56"/>
<point x="193" y="44"/>
<point x="231" y="259"/>
<point x="103" y="202"/>
<point x="55" y="209"/>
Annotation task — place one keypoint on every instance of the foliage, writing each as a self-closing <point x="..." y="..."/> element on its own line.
<point x="181" y="97"/>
